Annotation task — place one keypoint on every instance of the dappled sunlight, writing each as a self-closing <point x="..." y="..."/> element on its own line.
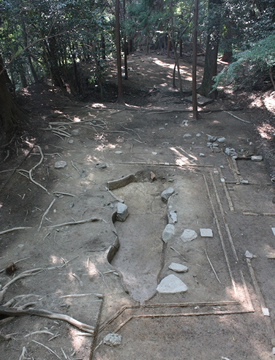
<point x="56" y="260"/>
<point x="91" y="268"/>
<point x="182" y="159"/>
<point x="78" y="341"/>
<point x="104" y="147"/>
<point x="266" y="131"/>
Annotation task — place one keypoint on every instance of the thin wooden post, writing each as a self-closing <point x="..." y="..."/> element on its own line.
<point x="194" y="66"/>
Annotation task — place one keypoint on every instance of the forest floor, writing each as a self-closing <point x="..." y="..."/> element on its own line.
<point x="70" y="256"/>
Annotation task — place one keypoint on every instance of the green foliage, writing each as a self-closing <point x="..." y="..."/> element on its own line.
<point x="248" y="64"/>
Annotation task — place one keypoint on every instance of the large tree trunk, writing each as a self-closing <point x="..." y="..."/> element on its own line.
<point x="212" y="47"/>
<point x="9" y="112"/>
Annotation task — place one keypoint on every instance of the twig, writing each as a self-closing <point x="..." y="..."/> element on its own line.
<point x="78" y="279"/>
<point x="212" y="267"/>
<point x="178" y="253"/>
<point x="45" y="213"/>
<point x="14" y="229"/>
<point x="20" y="276"/>
<point x="75" y="167"/>
<point x="15" y="262"/>
<point x="63" y="193"/>
<point x="236" y="117"/>
<point x="39" y="332"/>
<point x="64" y="354"/>
<point x="100" y="296"/>
<point x="47" y="314"/>
<point x="114" y="196"/>
<point x="33" y="168"/>
<point x="77" y="222"/>
<point x="46" y="347"/>
<point x="22" y="356"/>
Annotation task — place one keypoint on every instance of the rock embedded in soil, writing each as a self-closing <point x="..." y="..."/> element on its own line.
<point x="256" y="158"/>
<point x="122" y="212"/>
<point x="60" y="164"/>
<point x="171" y="284"/>
<point x="112" y="339"/>
<point x="179" y="268"/>
<point x="172" y="217"/>
<point x="168" y="232"/>
<point x="167" y="193"/>
<point x="206" y="232"/>
<point x="188" y="235"/>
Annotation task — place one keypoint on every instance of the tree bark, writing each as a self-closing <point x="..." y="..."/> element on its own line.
<point x="9" y="112"/>
<point x="120" y="98"/>
<point x="194" y="65"/>
<point x="212" y="47"/>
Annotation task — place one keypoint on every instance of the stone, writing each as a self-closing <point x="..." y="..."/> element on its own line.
<point x="212" y="138"/>
<point x="230" y="152"/>
<point x="100" y="166"/>
<point x="221" y="139"/>
<point x="187" y="136"/>
<point x="202" y="155"/>
<point x="122" y="212"/>
<point x="70" y="141"/>
<point x="60" y="164"/>
<point x="118" y="152"/>
<point x="171" y="284"/>
<point x="172" y="217"/>
<point x="273" y="230"/>
<point x="179" y="268"/>
<point x="112" y="339"/>
<point x="75" y="132"/>
<point x="167" y="193"/>
<point x="168" y="232"/>
<point x="249" y="255"/>
<point x="206" y="232"/>
<point x="188" y="235"/>
<point x="256" y="158"/>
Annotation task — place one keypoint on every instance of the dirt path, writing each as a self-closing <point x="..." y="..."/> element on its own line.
<point x="104" y="273"/>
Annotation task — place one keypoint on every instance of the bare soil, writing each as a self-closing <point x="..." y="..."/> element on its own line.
<point x="60" y="224"/>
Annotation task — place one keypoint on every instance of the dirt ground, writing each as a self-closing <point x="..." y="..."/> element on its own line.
<point x="78" y="274"/>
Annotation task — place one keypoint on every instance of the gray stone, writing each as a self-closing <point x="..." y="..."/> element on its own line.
<point x="60" y="164"/>
<point x="171" y="284"/>
<point x="112" y="339"/>
<point x="221" y="139"/>
<point x="172" y="217"/>
<point x="256" y="158"/>
<point x="212" y="138"/>
<point x="167" y="193"/>
<point x="168" y="232"/>
<point x="206" y="232"/>
<point x="188" y="235"/>
<point x="179" y="268"/>
<point x="122" y="212"/>
<point x="187" y="136"/>
<point x="100" y="166"/>
<point x="118" y="152"/>
<point x="75" y="132"/>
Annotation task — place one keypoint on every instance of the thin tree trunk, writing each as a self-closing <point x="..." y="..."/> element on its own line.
<point x="194" y="67"/>
<point x="9" y="112"/>
<point x="120" y="98"/>
<point x="212" y="46"/>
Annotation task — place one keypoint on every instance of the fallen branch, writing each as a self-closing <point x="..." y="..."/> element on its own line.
<point x="57" y="193"/>
<point x="47" y="314"/>
<point x="212" y="267"/>
<point x="45" y="213"/>
<point x="46" y="347"/>
<point x="24" y="274"/>
<point x="29" y="172"/>
<point x="236" y="117"/>
<point x="77" y="222"/>
<point x="14" y="229"/>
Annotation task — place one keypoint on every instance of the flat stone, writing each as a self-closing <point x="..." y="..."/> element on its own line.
<point x="167" y="193"/>
<point x="221" y="139"/>
<point x="172" y="217"/>
<point x="171" y="284"/>
<point x="187" y="136"/>
<point x="273" y="230"/>
<point x="118" y="152"/>
<point x="60" y="164"/>
<point x="206" y="233"/>
<point x="168" y="232"/>
<point x="122" y="212"/>
<point x="202" y="100"/>
<point x="112" y="339"/>
<point x="256" y="158"/>
<point x="100" y="166"/>
<point x="188" y="235"/>
<point x="179" y="268"/>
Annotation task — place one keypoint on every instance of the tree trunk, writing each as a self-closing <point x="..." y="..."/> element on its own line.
<point x="9" y="112"/>
<point x="120" y="98"/>
<point x="212" y="46"/>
